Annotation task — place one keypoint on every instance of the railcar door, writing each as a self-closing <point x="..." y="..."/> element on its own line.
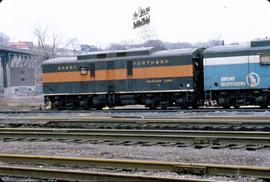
<point x="252" y="75"/>
<point x="110" y="69"/>
<point x="92" y="69"/>
<point x="129" y="82"/>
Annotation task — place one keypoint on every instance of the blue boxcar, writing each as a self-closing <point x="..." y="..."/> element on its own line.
<point x="237" y="67"/>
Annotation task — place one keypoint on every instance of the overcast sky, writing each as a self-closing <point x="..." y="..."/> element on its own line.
<point x="100" y="22"/>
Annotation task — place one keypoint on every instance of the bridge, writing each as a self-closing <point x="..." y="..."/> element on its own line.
<point x="18" y="68"/>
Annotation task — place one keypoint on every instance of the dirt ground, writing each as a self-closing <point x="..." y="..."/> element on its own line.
<point x="21" y="103"/>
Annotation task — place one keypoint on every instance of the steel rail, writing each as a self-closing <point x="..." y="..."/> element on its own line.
<point x="181" y="168"/>
<point x="72" y="120"/>
<point x="134" y="118"/>
<point x="157" y="136"/>
<point x="144" y="110"/>
<point x="141" y="132"/>
<point x="75" y="175"/>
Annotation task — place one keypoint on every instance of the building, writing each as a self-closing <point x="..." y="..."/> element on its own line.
<point x="19" y="71"/>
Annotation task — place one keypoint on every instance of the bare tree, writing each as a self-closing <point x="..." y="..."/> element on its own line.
<point x="47" y="46"/>
<point x="73" y="44"/>
<point x="55" y="39"/>
<point x="41" y="34"/>
<point x="4" y="39"/>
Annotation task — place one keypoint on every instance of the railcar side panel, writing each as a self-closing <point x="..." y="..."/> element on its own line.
<point x="158" y="79"/>
<point x="236" y="73"/>
<point x="171" y="73"/>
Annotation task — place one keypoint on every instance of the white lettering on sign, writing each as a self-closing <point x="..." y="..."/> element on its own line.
<point x="229" y="81"/>
<point x="233" y="84"/>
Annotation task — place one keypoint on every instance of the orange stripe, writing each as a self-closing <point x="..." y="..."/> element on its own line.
<point x="163" y="72"/>
<point x="120" y="74"/>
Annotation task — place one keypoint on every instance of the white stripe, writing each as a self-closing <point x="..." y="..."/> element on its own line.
<point x="160" y="91"/>
<point x="231" y="60"/>
<point x="98" y="93"/>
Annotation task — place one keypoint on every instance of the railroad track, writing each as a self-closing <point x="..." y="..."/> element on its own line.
<point x="221" y="123"/>
<point x="143" y="110"/>
<point x="175" y="167"/>
<point x="75" y="175"/>
<point x="221" y="138"/>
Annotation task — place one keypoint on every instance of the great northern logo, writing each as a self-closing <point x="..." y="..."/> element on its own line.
<point x="253" y="79"/>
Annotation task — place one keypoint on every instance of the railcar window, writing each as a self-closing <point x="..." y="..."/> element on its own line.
<point x="129" y="68"/>
<point x="110" y="65"/>
<point x="265" y="59"/>
<point x="83" y="71"/>
<point x="110" y="55"/>
<point x="101" y="56"/>
<point x="92" y="70"/>
<point x="121" y="54"/>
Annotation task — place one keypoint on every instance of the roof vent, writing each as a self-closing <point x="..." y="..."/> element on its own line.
<point x="119" y="53"/>
<point x="260" y="43"/>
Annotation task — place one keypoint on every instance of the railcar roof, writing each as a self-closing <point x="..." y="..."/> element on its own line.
<point x="227" y="48"/>
<point x="60" y="60"/>
<point x="175" y="52"/>
<point x="256" y="45"/>
<point x="140" y="50"/>
<point x="131" y="53"/>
